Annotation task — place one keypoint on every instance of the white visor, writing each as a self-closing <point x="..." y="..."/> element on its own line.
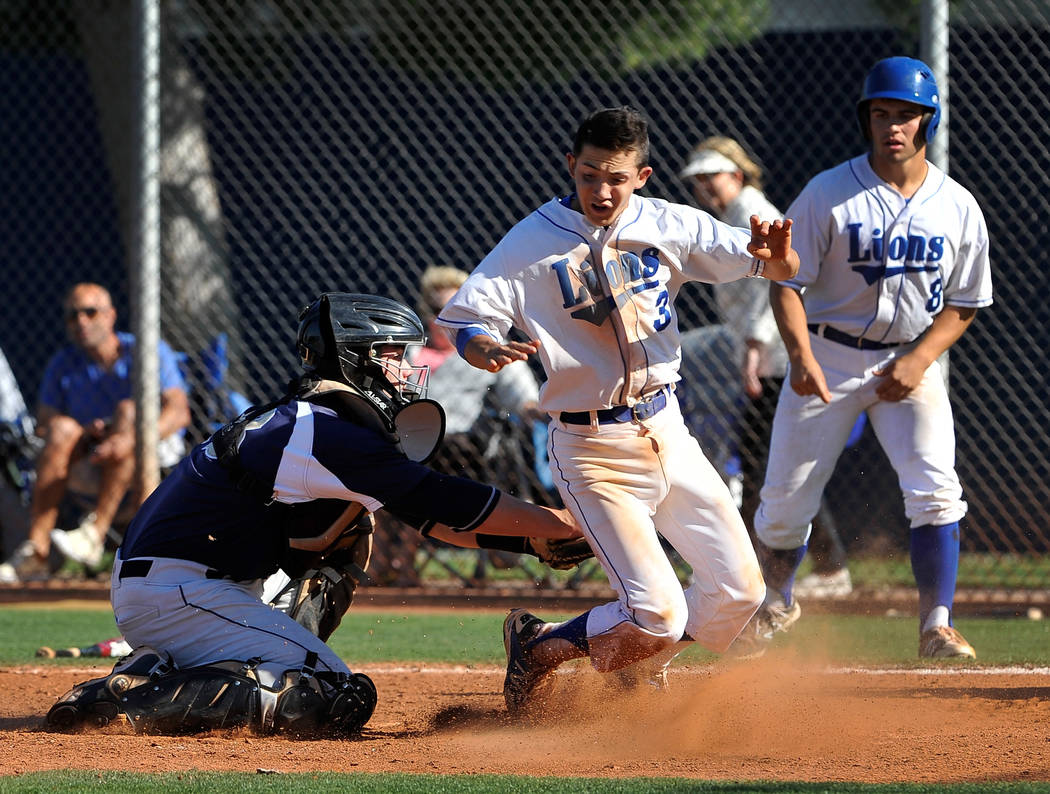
<point x="708" y="161"/>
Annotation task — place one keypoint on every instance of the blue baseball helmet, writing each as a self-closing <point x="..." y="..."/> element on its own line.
<point x="908" y="79"/>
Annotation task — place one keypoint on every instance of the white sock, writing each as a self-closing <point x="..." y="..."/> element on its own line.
<point x="938" y="617"/>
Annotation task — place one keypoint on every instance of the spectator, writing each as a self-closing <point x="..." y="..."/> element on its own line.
<point x="474" y="403"/>
<point x="86" y="417"/>
<point x="466" y="392"/>
<point x="728" y="182"/>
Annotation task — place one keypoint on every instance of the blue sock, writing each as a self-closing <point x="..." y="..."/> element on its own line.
<point x="935" y="563"/>
<point x="574" y="631"/>
<point x="779" y="567"/>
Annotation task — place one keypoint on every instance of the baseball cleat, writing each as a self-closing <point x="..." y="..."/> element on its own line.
<point x="772" y="618"/>
<point x="945" y="642"/>
<point x="88" y="704"/>
<point x="524" y="685"/>
<point x="97" y="702"/>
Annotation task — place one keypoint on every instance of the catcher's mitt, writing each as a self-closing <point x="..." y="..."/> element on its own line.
<point x="561" y="554"/>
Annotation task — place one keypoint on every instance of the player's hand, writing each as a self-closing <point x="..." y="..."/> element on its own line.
<point x="486" y="353"/>
<point x="116" y="446"/>
<point x="807" y="378"/>
<point x="900" y="377"/>
<point x="771" y="242"/>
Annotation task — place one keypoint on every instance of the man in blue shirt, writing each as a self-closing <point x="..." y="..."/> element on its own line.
<point x="86" y="417"/>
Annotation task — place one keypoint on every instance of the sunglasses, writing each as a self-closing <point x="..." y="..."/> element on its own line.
<point x="88" y="311"/>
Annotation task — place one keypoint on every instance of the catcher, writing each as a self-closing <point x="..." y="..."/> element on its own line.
<point x="288" y="488"/>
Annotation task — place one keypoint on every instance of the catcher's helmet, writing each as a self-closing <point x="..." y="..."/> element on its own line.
<point x="341" y="336"/>
<point x="907" y="79"/>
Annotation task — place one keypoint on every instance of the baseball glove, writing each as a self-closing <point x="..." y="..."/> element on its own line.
<point x="561" y="554"/>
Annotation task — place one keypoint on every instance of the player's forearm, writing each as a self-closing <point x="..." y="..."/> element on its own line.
<point x="513" y="516"/>
<point x="465" y="540"/>
<point x="790" y="315"/>
<point x="945" y="331"/>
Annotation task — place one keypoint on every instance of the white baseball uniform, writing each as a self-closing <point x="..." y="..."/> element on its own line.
<point x="877" y="267"/>
<point x="601" y="302"/>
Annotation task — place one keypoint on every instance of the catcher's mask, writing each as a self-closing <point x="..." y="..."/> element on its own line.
<point x="907" y="79"/>
<point x="361" y="340"/>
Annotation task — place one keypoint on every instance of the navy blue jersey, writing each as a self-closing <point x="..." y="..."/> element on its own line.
<point x="308" y="453"/>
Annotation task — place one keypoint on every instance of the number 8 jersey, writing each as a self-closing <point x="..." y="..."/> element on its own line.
<point x="879" y="266"/>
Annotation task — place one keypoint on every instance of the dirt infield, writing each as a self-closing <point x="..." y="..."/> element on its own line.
<point x="770" y="719"/>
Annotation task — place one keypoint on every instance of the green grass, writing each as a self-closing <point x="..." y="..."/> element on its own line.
<point x="469" y="638"/>
<point x="473" y="638"/>
<point x="219" y="783"/>
<point x="1010" y="571"/>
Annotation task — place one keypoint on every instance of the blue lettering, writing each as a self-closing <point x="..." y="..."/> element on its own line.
<point x="854" y="244"/>
<point x="898" y="246"/>
<point x="936" y="249"/>
<point x="590" y="280"/>
<point x="663" y="308"/>
<point x="561" y="268"/>
<point x="876" y="244"/>
<point x="612" y="272"/>
<point x="651" y="262"/>
<point x="916" y="248"/>
<point x="936" y="292"/>
<point x="632" y="266"/>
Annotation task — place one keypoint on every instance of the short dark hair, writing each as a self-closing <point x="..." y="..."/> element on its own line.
<point x="615" y="129"/>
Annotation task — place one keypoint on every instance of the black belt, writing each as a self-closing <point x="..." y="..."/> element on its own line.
<point x="137" y="569"/>
<point x="647" y="408"/>
<point x="858" y="342"/>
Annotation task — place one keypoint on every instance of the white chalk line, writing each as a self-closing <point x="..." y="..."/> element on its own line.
<point x="403" y="669"/>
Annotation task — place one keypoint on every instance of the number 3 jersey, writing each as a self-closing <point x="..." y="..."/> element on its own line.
<point x="878" y="265"/>
<point x="599" y="299"/>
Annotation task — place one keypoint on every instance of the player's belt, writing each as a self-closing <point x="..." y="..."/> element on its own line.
<point x="646" y="408"/>
<point x="140" y="568"/>
<point x="858" y="342"/>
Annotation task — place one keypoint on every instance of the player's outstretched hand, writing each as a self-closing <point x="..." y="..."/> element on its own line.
<point x="900" y="378"/>
<point x="808" y="378"/>
<point x="771" y="242"/>
<point x="484" y="352"/>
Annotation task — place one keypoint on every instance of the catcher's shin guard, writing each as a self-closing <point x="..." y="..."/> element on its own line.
<point x="220" y="696"/>
<point x="236" y="694"/>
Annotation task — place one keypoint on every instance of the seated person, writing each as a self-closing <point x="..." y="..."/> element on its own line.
<point x="468" y="396"/>
<point x="86" y="417"/>
<point x="466" y="392"/>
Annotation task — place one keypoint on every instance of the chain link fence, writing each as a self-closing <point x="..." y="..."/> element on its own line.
<point x="350" y="144"/>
